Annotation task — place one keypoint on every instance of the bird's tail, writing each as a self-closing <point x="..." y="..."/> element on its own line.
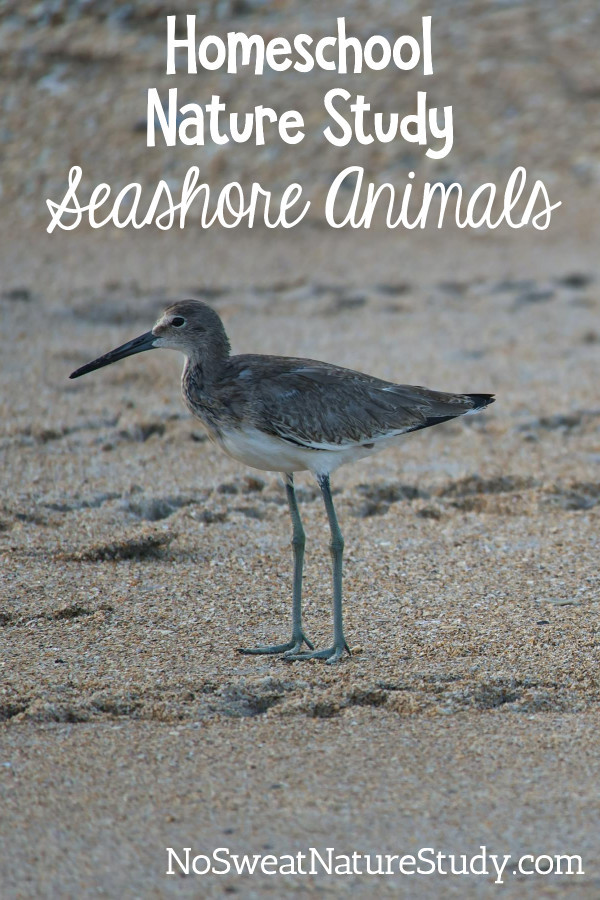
<point x="480" y="401"/>
<point x="442" y="407"/>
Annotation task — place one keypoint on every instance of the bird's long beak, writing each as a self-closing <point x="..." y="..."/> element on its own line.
<point x="137" y="345"/>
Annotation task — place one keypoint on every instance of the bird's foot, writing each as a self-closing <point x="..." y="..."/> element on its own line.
<point x="330" y="655"/>
<point x="293" y="646"/>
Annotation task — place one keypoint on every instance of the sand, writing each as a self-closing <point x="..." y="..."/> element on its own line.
<point x="135" y="558"/>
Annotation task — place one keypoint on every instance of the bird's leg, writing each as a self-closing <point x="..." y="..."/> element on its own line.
<point x="336" y="547"/>
<point x="298" y="541"/>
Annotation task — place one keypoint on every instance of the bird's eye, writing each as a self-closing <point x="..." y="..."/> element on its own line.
<point x="178" y="321"/>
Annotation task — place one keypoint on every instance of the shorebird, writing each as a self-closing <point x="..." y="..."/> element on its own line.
<point x="288" y="415"/>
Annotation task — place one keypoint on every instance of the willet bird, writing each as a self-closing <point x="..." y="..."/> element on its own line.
<point x="289" y="415"/>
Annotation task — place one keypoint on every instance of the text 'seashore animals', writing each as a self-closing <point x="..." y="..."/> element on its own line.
<point x="288" y="415"/>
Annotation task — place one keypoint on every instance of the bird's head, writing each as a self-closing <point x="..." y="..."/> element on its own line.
<point x="189" y="326"/>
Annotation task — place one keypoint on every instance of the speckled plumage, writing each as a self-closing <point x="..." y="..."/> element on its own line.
<point x="327" y="410"/>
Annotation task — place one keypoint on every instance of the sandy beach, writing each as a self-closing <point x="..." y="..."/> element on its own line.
<point x="135" y="557"/>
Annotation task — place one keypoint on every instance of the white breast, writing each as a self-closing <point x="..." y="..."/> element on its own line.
<point x="265" y="451"/>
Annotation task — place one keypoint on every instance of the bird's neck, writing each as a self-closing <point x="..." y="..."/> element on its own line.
<point x="205" y="369"/>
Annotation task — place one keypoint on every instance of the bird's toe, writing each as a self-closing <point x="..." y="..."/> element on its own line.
<point x="330" y="655"/>
<point x="292" y="646"/>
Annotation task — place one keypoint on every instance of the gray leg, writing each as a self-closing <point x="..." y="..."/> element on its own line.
<point x="298" y="541"/>
<point x="334" y="653"/>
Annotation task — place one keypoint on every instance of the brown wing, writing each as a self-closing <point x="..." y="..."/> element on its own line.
<point x="321" y="406"/>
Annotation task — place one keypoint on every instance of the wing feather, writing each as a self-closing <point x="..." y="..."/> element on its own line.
<point x="323" y="407"/>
